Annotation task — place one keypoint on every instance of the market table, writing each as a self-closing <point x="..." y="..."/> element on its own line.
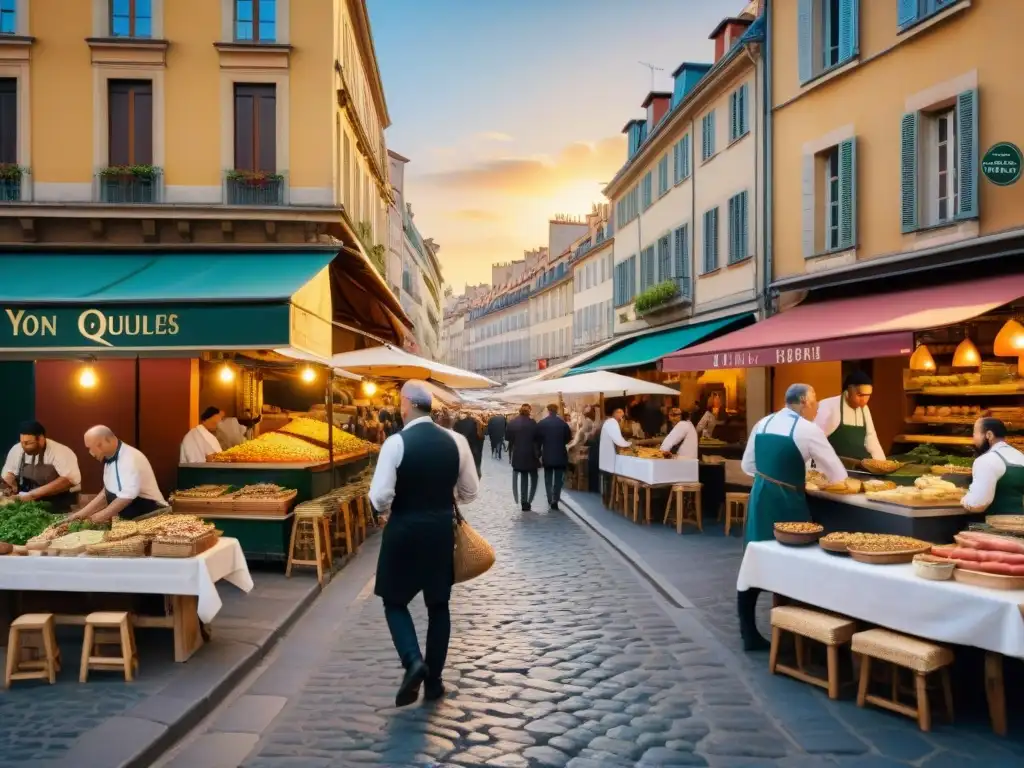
<point x="657" y="471"/>
<point x="189" y="582"/>
<point x="892" y="596"/>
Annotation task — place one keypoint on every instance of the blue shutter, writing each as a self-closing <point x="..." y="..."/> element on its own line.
<point x="805" y="39"/>
<point x="906" y="12"/>
<point x="741" y="106"/>
<point x="908" y="172"/>
<point x="704" y="138"/>
<point x="744" y="226"/>
<point x="967" y="137"/>
<point x="711" y="134"/>
<point x="733" y="228"/>
<point x="714" y="238"/>
<point x="849" y="29"/>
<point x="847" y="193"/>
<point x="650" y="266"/>
<point x="676" y="167"/>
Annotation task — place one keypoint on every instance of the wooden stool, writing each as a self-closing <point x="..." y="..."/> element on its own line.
<point x="627" y="485"/>
<point x="363" y="515"/>
<point x="313" y="522"/>
<point x="735" y="509"/>
<point x="684" y="495"/>
<point x="919" y="656"/>
<point x="616" y="488"/>
<point x="46" y="668"/>
<point x="831" y="631"/>
<point x="646" y="489"/>
<point x="344" y="527"/>
<point x="122" y="636"/>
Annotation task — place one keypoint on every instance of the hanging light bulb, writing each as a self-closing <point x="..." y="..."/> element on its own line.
<point x="87" y="378"/>
<point x="226" y="374"/>
<point x="369" y="388"/>
<point x="966" y="355"/>
<point x="308" y="375"/>
<point x="922" y="359"/>
<point x="1010" y="340"/>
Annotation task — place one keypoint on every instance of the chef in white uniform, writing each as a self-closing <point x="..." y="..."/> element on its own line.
<point x="611" y="437"/>
<point x="201" y="442"/>
<point x="846" y="420"/>
<point x="682" y="439"/>
<point x="129" y="484"/>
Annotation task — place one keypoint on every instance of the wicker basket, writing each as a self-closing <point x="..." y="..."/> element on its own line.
<point x="179" y="548"/>
<point x="133" y="547"/>
<point x="279" y="505"/>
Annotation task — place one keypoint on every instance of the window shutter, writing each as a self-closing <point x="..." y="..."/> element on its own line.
<point x="908" y="172"/>
<point x="676" y="169"/>
<point x="805" y="40"/>
<point x="849" y="29"/>
<point x="906" y="12"/>
<point x="733" y="229"/>
<point x="734" y="115"/>
<point x="808" y="211"/>
<point x="687" y="154"/>
<point x="118" y="122"/>
<point x="142" y="123"/>
<point x="711" y="134"/>
<point x="847" y="193"/>
<point x="743" y="121"/>
<point x="651" y="277"/>
<point x="744" y="245"/>
<point x="967" y="137"/>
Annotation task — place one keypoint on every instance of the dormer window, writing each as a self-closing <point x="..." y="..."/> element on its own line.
<point x="130" y="18"/>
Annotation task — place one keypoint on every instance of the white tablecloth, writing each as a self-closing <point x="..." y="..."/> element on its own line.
<point x="889" y="595"/>
<point x="657" y="471"/>
<point x="142" y="575"/>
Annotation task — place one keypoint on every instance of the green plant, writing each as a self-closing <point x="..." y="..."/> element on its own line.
<point x="22" y="520"/>
<point x="11" y="172"/>
<point x="130" y="171"/>
<point x="255" y="178"/>
<point x="364" y="231"/>
<point x="656" y="296"/>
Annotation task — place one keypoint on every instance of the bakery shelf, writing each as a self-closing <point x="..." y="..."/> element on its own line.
<point x="934" y="439"/>
<point x="968" y="420"/>
<point x="975" y="391"/>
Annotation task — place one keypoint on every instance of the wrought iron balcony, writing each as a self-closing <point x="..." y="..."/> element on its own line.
<point x="254" y="188"/>
<point x="129" y="185"/>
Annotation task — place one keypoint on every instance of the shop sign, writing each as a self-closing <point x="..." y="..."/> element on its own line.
<point x="1002" y="164"/>
<point x="777" y="356"/>
<point x="196" y="326"/>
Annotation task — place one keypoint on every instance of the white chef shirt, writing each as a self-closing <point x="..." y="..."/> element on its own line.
<point x="828" y="420"/>
<point x="198" y="443"/>
<point x="987" y="470"/>
<point x="684" y="435"/>
<point x="130" y="476"/>
<point x="809" y="439"/>
<point x="58" y="455"/>
<point x="385" y="476"/>
<point x="611" y="436"/>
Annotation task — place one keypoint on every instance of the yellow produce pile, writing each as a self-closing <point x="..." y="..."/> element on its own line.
<point x="274" y="447"/>
<point x="875" y="542"/>
<point x="317" y="430"/>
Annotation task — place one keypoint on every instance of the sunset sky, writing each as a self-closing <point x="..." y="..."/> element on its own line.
<point x="511" y="110"/>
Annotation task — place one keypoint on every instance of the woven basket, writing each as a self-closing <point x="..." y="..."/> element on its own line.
<point x="473" y="555"/>
<point x="178" y="548"/>
<point x="133" y="547"/>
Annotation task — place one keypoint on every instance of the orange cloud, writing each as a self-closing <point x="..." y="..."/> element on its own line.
<point x="531" y="176"/>
<point x="474" y="214"/>
<point x="495" y="136"/>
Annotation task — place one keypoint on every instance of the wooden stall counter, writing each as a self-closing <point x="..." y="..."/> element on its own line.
<point x="857" y="512"/>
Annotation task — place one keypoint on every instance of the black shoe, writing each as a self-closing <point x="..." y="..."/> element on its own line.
<point x="433" y="690"/>
<point x="755" y="643"/>
<point x="526" y="508"/>
<point x="409" y="690"/>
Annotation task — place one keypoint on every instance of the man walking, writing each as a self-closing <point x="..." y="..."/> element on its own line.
<point x="522" y="445"/>
<point x="554" y="435"/>
<point x="496" y="433"/>
<point x="420" y="473"/>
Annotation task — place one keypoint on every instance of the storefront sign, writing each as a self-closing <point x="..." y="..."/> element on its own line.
<point x="1002" y="164"/>
<point x="197" y="326"/>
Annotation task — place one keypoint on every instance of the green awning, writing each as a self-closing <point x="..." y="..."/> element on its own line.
<point x="155" y="301"/>
<point x="654" y="346"/>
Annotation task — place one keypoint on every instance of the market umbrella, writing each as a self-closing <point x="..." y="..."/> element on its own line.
<point x="604" y="383"/>
<point x="388" y="362"/>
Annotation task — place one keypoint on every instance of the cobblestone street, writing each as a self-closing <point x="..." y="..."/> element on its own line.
<point x="562" y="655"/>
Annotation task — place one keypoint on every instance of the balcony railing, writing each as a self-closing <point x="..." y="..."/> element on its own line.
<point x="129" y="185"/>
<point x="13" y="180"/>
<point x="256" y="188"/>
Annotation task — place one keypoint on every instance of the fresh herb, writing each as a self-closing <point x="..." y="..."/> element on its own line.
<point x="23" y="520"/>
<point x="84" y="525"/>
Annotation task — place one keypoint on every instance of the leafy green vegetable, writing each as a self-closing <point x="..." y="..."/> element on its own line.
<point x="22" y="520"/>
<point x="84" y="525"/>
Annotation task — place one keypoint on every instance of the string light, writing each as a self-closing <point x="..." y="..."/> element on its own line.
<point x="226" y="374"/>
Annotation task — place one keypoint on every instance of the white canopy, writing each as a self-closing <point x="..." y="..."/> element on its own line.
<point x="605" y="383"/>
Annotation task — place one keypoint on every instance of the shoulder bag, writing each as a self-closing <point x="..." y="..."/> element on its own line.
<point x="473" y="555"/>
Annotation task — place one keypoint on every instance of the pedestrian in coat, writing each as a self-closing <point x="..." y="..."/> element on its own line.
<point x="524" y="448"/>
<point x="554" y="436"/>
<point x="469" y="428"/>
<point x="421" y="472"/>
<point x="496" y="433"/>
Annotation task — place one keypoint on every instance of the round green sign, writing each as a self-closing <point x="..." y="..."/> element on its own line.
<point x="1002" y="164"/>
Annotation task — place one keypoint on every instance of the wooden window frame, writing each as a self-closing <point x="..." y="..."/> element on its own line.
<point x="255" y="22"/>
<point x="133" y="19"/>
<point x="133" y="92"/>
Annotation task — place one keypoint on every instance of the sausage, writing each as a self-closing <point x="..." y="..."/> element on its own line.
<point x="989" y="542"/>
<point x="983" y="555"/>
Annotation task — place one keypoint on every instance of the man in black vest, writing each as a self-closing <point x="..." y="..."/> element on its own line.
<point x="420" y="473"/>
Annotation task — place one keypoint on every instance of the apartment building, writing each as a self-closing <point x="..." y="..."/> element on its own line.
<point x="551" y="307"/>
<point x="592" y="262"/>
<point x="498" y="335"/>
<point x="688" y="203"/>
<point x="194" y="121"/>
<point x="453" y="327"/>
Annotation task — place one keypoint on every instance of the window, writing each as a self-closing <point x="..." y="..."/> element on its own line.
<point x="682" y="257"/>
<point x="8" y="17"/>
<point x="130" y="122"/>
<point x="624" y="282"/>
<point x="663" y="176"/>
<point x="830" y="199"/>
<point x="681" y="153"/>
<point x="131" y="18"/>
<point x="910" y="12"/>
<point x="710" y="240"/>
<point x="255" y="127"/>
<point x="647" y="191"/>
<point x="707" y="136"/>
<point x="739" y="247"/>
<point x="664" y="259"/>
<point x="939" y="164"/>
<point x="827" y="35"/>
<point x="256" y="20"/>
<point x="738" y="121"/>
<point x="8" y="120"/>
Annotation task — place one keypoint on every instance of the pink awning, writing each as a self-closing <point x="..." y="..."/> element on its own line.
<point x="848" y="329"/>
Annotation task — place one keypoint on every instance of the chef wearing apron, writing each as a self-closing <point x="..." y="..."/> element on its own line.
<point x="776" y="456"/>
<point x="997" y="486"/>
<point x="681" y="441"/>
<point x="847" y="421"/>
<point x="39" y="469"/>
<point x="129" y="485"/>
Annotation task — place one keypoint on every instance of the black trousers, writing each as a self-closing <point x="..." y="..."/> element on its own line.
<point x="403" y="635"/>
<point x="606" y="488"/>
<point x="524" y="486"/>
<point x="554" y="478"/>
<point x="497" y="446"/>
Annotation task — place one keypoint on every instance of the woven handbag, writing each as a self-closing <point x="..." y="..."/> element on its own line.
<point x="473" y="555"/>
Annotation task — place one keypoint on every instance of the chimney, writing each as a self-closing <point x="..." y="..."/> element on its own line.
<point x="727" y="34"/>
<point x="657" y="105"/>
<point x="686" y="76"/>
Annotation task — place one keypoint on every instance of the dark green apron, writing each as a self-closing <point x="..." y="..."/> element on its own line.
<point x="1009" y="495"/>
<point x="778" y="494"/>
<point x="849" y="440"/>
